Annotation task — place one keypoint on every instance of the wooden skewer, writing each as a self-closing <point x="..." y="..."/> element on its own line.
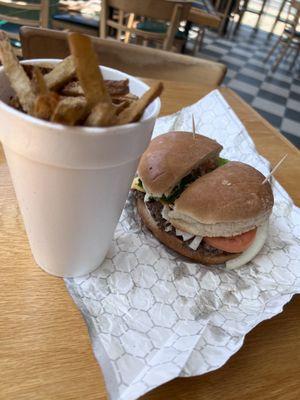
<point x="274" y="169"/>
<point x="194" y="126"/>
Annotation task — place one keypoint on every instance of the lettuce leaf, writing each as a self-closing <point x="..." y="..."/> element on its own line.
<point x="222" y="161"/>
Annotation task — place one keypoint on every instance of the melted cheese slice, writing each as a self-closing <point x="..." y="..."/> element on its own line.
<point x="135" y="185"/>
<point x="252" y="251"/>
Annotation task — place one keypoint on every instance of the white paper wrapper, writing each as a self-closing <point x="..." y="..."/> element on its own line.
<point x="153" y="317"/>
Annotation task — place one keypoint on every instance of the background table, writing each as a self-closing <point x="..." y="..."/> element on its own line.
<point x="45" y="351"/>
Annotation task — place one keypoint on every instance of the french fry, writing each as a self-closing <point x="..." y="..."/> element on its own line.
<point x="45" y="104"/>
<point x="72" y="89"/>
<point x="102" y="115"/>
<point x="117" y="88"/>
<point x="135" y="111"/>
<point x="73" y="92"/>
<point x="88" y="71"/>
<point x="39" y="81"/>
<point x="117" y="99"/>
<point x="46" y="101"/>
<point x="45" y="67"/>
<point x="17" y="76"/>
<point x="15" y="103"/>
<point x="70" y="111"/>
<point x="114" y="88"/>
<point x="121" y="106"/>
<point x="61" y="74"/>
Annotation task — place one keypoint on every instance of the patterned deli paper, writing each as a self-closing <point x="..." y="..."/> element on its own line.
<point x="152" y="316"/>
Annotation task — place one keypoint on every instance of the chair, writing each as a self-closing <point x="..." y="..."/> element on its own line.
<point x="290" y="38"/>
<point x="279" y="17"/>
<point x="159" y="23"/>
<point x="244" y="7"/>
<point x="135" y="60"/>
<point x="226" y="10"/>
<point x="14" y="14"/>
<point x="204" y="14"/>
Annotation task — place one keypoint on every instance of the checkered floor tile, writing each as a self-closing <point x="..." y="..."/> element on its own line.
<point x="275" y="95"/>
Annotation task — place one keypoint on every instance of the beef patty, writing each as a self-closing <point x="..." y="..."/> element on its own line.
<point x="155" y="208"/>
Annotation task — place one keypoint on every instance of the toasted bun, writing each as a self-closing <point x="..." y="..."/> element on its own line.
<point x="172" y="156"/>
<point x="228" y="201"/>
<point x="176" y="244"/>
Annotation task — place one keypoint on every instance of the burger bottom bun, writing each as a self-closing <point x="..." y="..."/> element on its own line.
<point x="176" y="244"/>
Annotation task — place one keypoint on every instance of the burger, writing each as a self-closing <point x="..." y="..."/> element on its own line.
<point x="208" y="209"/>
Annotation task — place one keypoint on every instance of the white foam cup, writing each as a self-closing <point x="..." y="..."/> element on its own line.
<point x="72" y="182"/>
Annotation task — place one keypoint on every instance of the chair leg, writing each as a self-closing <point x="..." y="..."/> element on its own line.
<point x="297" y="52"/>
<point x="139" y="40"/>
<point x="277" y="17"/>
<point x="129" y="26"/>
<point x="174" y="23"/>
<point x="241" y="15"/>
<point x="121" y="20"/>
<point x="226" y="17"/>
<point x="272" y="49"/>
<point x="285" y="48"/>
<point x="289" y="53"/>
<point x="260" y="14"/>
<point x="199" y="40"/>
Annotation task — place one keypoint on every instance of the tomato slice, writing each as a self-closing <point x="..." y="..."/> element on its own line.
<point x="233" y="244"/>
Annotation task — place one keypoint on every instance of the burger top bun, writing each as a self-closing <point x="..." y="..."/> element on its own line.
<point x="171" y="157"/>
<point x="225" y="202"/>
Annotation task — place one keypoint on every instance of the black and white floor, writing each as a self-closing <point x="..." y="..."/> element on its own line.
<point x="276" y="96"/>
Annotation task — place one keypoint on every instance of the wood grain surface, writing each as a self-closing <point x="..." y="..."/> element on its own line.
<point x="45" y="352"/>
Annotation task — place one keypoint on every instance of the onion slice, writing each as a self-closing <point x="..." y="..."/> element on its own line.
<point x="185" y="236"/>
<point x="252" y="251"/>
<point x="196" y="242"/>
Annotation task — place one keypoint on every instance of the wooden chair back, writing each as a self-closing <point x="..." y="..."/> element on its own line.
<point x="162" y="10"/>
<point x="135" y="60"/>
<point x="289" y="40"/>
<point x="17" y="11"/>
<point x="294" y="14"/>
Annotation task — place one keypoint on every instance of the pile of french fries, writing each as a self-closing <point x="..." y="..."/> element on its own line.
<point x="73" y="92"/>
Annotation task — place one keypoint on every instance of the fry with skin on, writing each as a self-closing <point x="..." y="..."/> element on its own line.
<point x="45" y="104"/>
<point x="117" y="99"/>
<point x="88" y="71"/>
<point x="39" y="81"/>
<point x="102" y="115"/>
<point x="61" y="74"/>
<point x="135" y="111"/>
<point x="70" y="111"/>
<point x="46" y="101"/>
<point x="121" y="106"/>
<point x="91" y="101"/>
<point x="17" y="76"/>
<point x="117" y="87"/>
<point x="28" y="68"/>
<point x="114" y="88"/>
<point x="72" y="89"/>
<point x="15" y="103"/>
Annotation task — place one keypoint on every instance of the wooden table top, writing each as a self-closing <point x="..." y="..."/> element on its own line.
<point x="45" y="352"/>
